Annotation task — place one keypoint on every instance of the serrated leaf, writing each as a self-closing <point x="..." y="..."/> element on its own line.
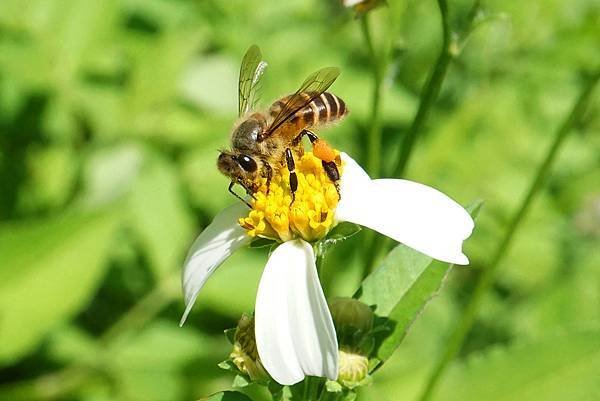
<point x="556" y="368"/>
<point x="49" y="269"/>
<point x="227" y="396"/>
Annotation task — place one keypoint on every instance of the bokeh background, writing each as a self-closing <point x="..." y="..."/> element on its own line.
<point x="111" y="114"/>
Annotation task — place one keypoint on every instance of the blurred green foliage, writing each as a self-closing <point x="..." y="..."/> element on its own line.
<point x="111" y="114"/>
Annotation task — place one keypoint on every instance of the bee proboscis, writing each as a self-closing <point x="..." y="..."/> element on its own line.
<point x="262" y="143"/>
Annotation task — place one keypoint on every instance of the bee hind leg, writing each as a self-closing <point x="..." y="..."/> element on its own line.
<point x="333" y="173"/>
<point x="324" y="152"/>
<point x="291" y="165"/>
<point x="311" y="136"/>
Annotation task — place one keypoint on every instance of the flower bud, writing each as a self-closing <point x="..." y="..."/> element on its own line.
<point x="244" y="354"/>
<point x="354" y="323"/>
<point x="353" y="369"/>
<point x="351" y="313"/>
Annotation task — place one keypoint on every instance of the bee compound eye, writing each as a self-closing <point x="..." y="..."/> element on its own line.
<point x="247" y="163"/>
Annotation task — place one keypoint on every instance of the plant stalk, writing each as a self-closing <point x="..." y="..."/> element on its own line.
<point x="486" y="278"/>
<point x="378" y="68"/>
<point x="428" y="97"/>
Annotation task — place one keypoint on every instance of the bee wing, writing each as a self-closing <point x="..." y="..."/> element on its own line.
<point x="311" y="88"/>
<point x="251" y="71"/>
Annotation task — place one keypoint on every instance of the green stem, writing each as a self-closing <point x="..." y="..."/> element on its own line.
<point x="145" y="309"/>
<point x="48" y="387"/>
<point x="310" y="391"/>
<point x="486" y="278"/>
<point x="314" y="389"/>
<point x="429" y="94"/>
<point x="428" y="97"/>
<point x="377" y="63"/>
<point x="305" y="390"/>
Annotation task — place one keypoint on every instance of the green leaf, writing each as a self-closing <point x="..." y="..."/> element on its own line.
<point x="160" y="216"/>
<point x="400" y="288"/>
<point x="148" y="364"/>
<point x="49" y="269"/>
<point x="421" y="291"/>
<point x="158" y="211"/>
<point x="70" y="343"/>
<point x="340" y="233"/>
<point x="398" y="272"/>
<point x="227" y="396"/>
<point x="556" y="368"/>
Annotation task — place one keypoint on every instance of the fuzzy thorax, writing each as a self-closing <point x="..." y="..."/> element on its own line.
<point x="309" y="217"/>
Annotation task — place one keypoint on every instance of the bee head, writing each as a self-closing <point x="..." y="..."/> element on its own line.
<point x="239" y="167"/>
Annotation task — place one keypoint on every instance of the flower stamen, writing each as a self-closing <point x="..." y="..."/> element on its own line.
<point x="310" y="216"/>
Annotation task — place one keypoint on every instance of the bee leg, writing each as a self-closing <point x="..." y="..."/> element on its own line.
<point x="268" y="174"/>
<point x="333" y="174"/>
<point x="311" y="135"/>
<point x="289" y="158"/>
<point x="231" y="191"/>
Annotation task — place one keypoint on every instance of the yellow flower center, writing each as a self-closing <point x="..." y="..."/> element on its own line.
<point x="309" y="217"/>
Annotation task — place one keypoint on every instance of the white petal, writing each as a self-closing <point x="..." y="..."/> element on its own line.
<point x="295" y="335"/>
<point x="217" y="242"/>
<point x="419" y="216"/>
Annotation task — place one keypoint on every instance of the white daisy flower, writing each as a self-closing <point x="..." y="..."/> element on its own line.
<point x="295" y="335"/>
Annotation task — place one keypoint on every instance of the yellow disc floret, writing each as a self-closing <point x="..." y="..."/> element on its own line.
<point x="309" y="217"/>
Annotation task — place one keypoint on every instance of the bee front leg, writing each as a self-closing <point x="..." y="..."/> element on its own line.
<point x="231" y="191"/>
<point x="268" y="174"/>
<point x="289" y="158"/>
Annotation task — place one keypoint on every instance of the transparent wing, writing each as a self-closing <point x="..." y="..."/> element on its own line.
<point x="313" y="86"/>
<point x="251" y="70"/>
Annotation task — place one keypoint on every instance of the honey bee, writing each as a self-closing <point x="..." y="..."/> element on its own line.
<point x="262" y="143"/>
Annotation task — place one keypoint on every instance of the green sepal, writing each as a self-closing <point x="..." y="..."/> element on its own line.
<point x="333" y="387"/>
<point x="241" y="381"/>
<point x="339" y="233"/>
<point x="262" y="242"/>
<point x="230" y="335"/>
<point x="228" y="365"/>
<point x="227" y="396"/>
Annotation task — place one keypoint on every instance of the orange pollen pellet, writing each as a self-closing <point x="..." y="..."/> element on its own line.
<point x="323" y="151"/>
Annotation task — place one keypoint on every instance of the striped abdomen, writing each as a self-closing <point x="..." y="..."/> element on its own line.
<point x="323" y="109"/>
